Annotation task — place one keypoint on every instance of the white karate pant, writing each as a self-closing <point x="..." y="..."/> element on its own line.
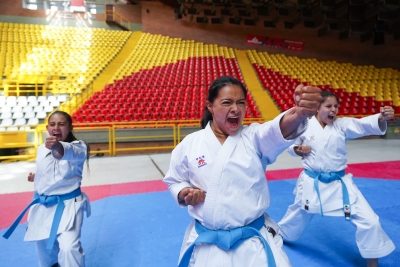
<point x="67" y="249"/>
<point x="371" y="240"/>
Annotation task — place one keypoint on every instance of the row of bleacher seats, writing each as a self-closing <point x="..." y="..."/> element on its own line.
<point x="21" y="123"/>
<point x="29" y="99"/>
<point x="383" y="84"/>
<point x="155" y="50"/>
<point x="73" y="37"/>
<point x="72" y="56"/>
<point x="24" y="112"/>
<point x="365" y="88"/>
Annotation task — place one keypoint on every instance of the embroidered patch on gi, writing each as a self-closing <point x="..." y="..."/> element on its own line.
<point x="201" y="162"/>
<point x="312" y="137"/>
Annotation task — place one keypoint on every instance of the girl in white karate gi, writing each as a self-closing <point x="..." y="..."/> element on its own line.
<point x="59" y="164"/>
<point x="323" y="151"/>
<point x="219" y="173"/>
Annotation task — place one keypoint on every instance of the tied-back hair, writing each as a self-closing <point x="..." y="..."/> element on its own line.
<point x="213" y="91"/>
<point x="326" y="94"/>
<point x="71" y="137"/>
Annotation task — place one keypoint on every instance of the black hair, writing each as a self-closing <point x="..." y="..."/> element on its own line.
<point x="71" y="137"/>
<point x="213" y="93"/>
<point x="326" y="94"/>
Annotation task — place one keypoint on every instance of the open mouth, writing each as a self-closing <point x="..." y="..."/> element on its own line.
<point x="58" y="135"/>
<point x="233" y="122"/>
<point x="331" y="117"/>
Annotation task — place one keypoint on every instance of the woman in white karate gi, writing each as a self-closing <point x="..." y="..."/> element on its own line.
<point x="55" y="219"/>
<point x="219" y="173"/>
<point x="324" y="157"/>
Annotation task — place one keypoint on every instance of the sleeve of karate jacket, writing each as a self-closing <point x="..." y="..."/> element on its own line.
<point x="270" y="141"/>
<point x="74" y="151"/>
<point x="177" y="176"/>
<point x="355" y="128"/>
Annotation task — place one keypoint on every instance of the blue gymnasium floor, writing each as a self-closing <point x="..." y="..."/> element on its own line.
<point x="146" y="230"/>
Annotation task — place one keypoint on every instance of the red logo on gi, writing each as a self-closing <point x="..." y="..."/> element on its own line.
<point x="201" y="162"/>
<point x="312" y="138"/>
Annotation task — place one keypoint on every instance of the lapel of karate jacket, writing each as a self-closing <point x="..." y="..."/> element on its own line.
<point x="216" y="177"/>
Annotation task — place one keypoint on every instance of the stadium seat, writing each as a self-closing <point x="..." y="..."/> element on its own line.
<point x="77" y="119"/>
<point x="6" y="122"/>
<point x="28" y="115"/>
<point x="17" y="115"/>
<point x="27" y="109"/>
<point x="16" y="109"/>
<point x="31" y="99"/>
<point x="6" y="115"/>
<point x="6" y="109"/>
<point x="41" y="115"/>
<point x="33" y="121"/>
<point x="38" y="109"/>
<point x="48" y="109"/>
<point x="19" y="122"/>
<point x="117" y="118"/>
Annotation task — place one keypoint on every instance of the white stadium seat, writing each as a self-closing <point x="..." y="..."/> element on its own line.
<point x="17" y="115"/>
<point x="6" y="122"/>
<point x="20" y="122"/>
<point x="33" y="121"/>
<point x="6" y="115"/>
<point x="29" y="115"/>
<point x="41" y="115"/>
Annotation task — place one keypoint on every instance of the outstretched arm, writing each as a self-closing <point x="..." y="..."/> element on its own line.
<point x="307" y="99"/>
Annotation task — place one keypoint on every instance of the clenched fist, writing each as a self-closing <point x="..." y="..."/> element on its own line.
<point x="191" y="196"/>
<point x="387" y="113"/>
<point x="50" y="141"/>
<point x="307" y="99"/>
<point x="31" y="177"/>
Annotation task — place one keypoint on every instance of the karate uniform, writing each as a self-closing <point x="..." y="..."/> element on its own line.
<point x="233" y="175"/>
<point x="59" y="177"/>
<point x="329" y="154"/>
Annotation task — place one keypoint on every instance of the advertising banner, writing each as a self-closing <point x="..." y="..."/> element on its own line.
<point x="275" y="42"/>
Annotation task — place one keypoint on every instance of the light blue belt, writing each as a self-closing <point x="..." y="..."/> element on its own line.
<point x="228" y="239"/>
<point x="327" y="177"/>
<point x="47" y="201"/>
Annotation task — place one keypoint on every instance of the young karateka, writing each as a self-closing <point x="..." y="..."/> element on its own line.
<point x="56" y="213"/>
<point x="324" y="188"/>
<point x="219" y="173"/>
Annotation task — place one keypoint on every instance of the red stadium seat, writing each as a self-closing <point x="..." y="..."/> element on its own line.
<point x="145" y="116"/>
<point x="136" y="117"/>
<point x="109" y="118"/>
<point x="164" y="116"/>
<point x="88" y="118"/>
<point x="98" y="118"/>
<point x="154" y="116"/>
<point x="117" y="118"/>
<point x="126" y="117"/>
<point x="77" y="119"/>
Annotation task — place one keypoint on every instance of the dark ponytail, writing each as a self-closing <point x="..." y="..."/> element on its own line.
<point x="213" y="93"/>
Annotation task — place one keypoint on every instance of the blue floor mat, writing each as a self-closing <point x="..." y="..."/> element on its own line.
<point x="146" y="230"/>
